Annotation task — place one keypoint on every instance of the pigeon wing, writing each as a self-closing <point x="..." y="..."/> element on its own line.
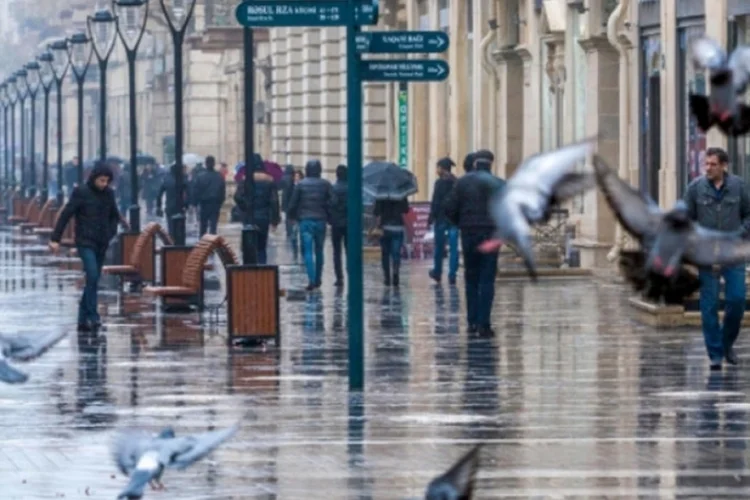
<point x="192" y="448"/>
<point x="706" y="247"/>
<point x="739" y="64"/>
<point x="28" y="347"/>
<point x="638" y="215"/>
<point x="458" y="481"/>
<point x="544" y="170"/>
<point x="10" y="375"/>
<point x="128" y="448"/>
<point x="573" y="184"/>
<point x="708" y="53"/>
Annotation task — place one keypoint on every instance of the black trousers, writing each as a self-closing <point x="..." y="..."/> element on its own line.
<point x="209" y="217"/>
<point x="338" y="236"/>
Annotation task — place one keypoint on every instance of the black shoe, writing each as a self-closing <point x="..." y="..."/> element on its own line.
<point x="84" y="327"/>
<point x="451" y="280"/>
<point x="715" y="365"/>
<point x="310" y="287"/>
<point x="387" y="281"/>
<point x="486" y="331"/>
<point x="434" y="276"/>
<point x="395" y="279"/>
<point x="473" y="329"/>
<point x="732" y="358"/>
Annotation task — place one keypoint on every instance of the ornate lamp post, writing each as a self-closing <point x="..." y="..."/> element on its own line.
<point x="32" y="83"/>
<point x="102" y="31"/>
<point x="178" y="18"/>
<point x="47" y="77"/>
<point x="23" y="93"/>
<point x="60" y="65"/>
<point x="79" y="50"/>
<point x="131" y="24"/>
<point x="12" y="99"/>
<point x="4" y="103"/>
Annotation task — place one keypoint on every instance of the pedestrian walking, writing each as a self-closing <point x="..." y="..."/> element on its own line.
<point x="442" y="228"/>
<point x="168" y="190"/>
<point x="150" y="187"/>
<point x="719" y="200"/>
<point x="266" y="212"/>
<point x="310" y="206"/>
<point x="287" y="186"/>
<point x="469" y="162"/>
<point x="389" y="218"/>
<point x="209" y="191"/>
<point x="94" y="208"/>
<point x="338" y="222"/>
<point x="467" y="207"/>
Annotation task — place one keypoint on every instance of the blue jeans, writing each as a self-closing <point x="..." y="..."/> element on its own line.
<point x="719" y="339"/>
<point x="313" y="233"/>
<point x="444" y="230"/>
<point x="480" y="272"/>
<point x="390" y="251"/>
<point x="92" y="260"/>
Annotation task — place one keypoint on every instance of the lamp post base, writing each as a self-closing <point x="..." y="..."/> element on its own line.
<point x="134" y="218"/>
<point x="249" y="244"/>
<point x="178" y="228"/>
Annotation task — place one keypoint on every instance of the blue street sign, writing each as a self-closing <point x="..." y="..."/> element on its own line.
<point x="384" y="42"/>
<point x="420" y="70"/>
<point x="298" y="13"/>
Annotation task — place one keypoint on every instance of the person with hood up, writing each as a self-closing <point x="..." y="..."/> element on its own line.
<point x="441" y="225"/>
<point x="338" y="221"/>
<point x="168" y="189"/>
<point x="310" y="205"/>
<point x="287" y="186"/>
<point x="94" y="207"/>
<point x="266" y="214"/>
<point x="210" y="191"/>
<point x="467" y="207"/>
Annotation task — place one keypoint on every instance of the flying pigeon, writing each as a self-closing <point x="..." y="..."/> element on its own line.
<point x="23" y="348"/>
<point x="541" y="182"/>
<point x="729" y="79"/>
<point x="458" y="482"/>
<point x="144" y="457"/>
<point x="669" y="240"/>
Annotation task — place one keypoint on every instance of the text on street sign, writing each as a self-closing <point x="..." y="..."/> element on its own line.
<point x="383" y="42"/>
<point x="426" y="70"/>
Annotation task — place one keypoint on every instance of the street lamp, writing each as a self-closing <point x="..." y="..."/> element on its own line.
<point x="102" y="32"/>
<point x="60" y="65"/>
<point x="178" y="18"/>
<point x="47" y="77"/>
<point x="23" y="93"/>
<point x="12" y="94"/>
<point x="79" y="51"/>
<point x="131" y="24"/>
<point x="32" y="84"/>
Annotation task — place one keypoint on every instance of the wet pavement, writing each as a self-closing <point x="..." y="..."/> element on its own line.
<point x="572" y="398"/>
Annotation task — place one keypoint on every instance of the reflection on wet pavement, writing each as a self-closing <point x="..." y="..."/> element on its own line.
<point x="572" y="397"/>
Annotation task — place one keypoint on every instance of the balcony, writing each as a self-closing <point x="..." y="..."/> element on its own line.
<point x="221" y="31"/>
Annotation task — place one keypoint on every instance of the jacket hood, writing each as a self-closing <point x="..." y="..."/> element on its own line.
<point x="313" y="168"/>
<point x="289" y="170"/>
<point x="341" y="173"/>
<point x="99" y="170"/>
<point x="469" y="162"/>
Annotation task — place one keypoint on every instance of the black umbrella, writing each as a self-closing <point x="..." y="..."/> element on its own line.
<point x="387" y="181"/>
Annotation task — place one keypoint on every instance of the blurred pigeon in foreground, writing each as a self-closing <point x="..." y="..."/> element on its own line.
<point x="729" y="78"/>
<point x="669" y="240"/>
<point x="541" y="182"/>
<point x="23" y="348"/>
<point x="458" y="482"/>
<point x="144" y="457"/>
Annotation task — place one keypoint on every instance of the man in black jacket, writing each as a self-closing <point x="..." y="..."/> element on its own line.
<point x="442" y="227"/>
<point x="310" y="205"/>
<point x="338" y="222"/>
<point x="96" y="217"/>
<point x="210" y="191"/>
<point x="265" y="206"/>
<point x="169" y="190"/>
<point x="468" y="208"/>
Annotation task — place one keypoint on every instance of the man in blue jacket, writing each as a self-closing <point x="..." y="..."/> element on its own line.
<point x="719" y="200"/>
<point x="441" y="225"/>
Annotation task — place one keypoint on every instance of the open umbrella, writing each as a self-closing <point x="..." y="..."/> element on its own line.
<point x="387" y="181"/>
<point x="274" y="170"/>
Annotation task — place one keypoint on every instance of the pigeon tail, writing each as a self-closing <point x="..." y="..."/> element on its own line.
<point x="10" y="375"/>
<point x="138" y="481"/>
<point x="701" y="110"/>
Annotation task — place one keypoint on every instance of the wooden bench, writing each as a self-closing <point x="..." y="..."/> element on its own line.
<point x="42" y="215"/>
<point x="45" y="228"/>
<point x="24" y="210"/>
<point x="139" y="251"/>
<point x="188" y="288"/>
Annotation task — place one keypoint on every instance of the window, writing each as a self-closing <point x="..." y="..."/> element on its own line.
<point x="443" y="9"/>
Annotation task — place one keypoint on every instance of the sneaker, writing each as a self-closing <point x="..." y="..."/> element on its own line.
<point x="486" y="331"/>
<point x="732" y="358"/>
<point x="715" y="365"/>
<point x="434" y="276"/>
<point x="451" y="280"/>
<point x="473" y="328"/>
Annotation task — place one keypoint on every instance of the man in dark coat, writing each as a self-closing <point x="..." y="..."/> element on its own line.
<point x="169" y="190"/>
<point x="94" y="208"/>
<point x="310" y="205"/>
<point x="441" y="226"/>
<point x="467" y="207"/>
<point x="338" y="222"/>
<point x="266" y="214"/>
<point x="150" y="184"/>
<point x="210" y="191"/>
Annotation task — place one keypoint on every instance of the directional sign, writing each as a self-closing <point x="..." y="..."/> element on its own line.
<point x="298" y="13"/>
<point x="384" y="42"/>
<point x="421" y="70"/>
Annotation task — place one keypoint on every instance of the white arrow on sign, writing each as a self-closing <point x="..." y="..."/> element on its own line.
<point x="437" y="41"/>
<point x="437" y="70"/>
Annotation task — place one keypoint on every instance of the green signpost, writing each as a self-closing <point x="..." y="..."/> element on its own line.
<point x="403" y="125"/>
<point x="353" y="14"/>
